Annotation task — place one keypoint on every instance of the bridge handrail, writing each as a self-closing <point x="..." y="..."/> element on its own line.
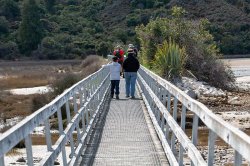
<point x="22" y="130"/>
<point x="148" y="95"/>
<point x="230" y="134"/>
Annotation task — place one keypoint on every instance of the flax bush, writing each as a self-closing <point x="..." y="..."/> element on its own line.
<point x="169" y="59"/>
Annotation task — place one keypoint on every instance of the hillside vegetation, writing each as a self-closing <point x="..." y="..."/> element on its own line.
<point x="68" y="29"/>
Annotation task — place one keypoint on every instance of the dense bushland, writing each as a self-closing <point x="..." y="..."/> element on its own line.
<point x="74" y="29"/>
<point x="172" y="45"/>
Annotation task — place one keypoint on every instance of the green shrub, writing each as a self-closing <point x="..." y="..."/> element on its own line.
<point x="200" y="47"/>
<point x="132" y="20"/>
<point x="121" y="35"/>
<point x="9" y="50"/>
<point x="103" y="48"/>
<point x="9" y="9"/>
<point x="169" y="59"/>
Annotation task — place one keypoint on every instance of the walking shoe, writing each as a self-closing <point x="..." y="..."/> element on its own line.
<point x="117" y="96"/>
<point x="112" y="96"/>
<point x="127" y="96"/>
<point x="133" y="97"/>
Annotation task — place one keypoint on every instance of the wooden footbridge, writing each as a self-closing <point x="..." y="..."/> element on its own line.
<point x="147" y="130"/>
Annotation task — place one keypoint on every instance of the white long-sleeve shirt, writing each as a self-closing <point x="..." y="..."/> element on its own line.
<point x="115" y="69"/>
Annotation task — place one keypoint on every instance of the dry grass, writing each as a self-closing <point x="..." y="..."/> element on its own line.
<point x="91" y="64"/>
<point x="15" y="105"/>
<point x="37" y="74"/>
<point x="24" y="81"/>
<point x="38" y="139"/>
<point x="13" y="152"/>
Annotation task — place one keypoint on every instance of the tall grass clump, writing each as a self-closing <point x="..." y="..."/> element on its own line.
<point x="201" y="51"/>
<point x="169" y="59"/>
<point x="91" y="64"/>
<point x="64" y="83"/>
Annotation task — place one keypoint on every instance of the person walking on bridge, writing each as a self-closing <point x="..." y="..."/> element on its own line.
<point x="115" y="69"/>
<point x="130" y="66"/>
<point x="119" y="53"/>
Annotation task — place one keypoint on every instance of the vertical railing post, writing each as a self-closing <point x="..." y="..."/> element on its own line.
<point x="169" y="109"/>
<point x="48" y="135"/>
<point x="81" y="98"/>
<point x="28" y="145"/>
<point x="195" y="131"/>
<point x="60" y="126"/>
<point x="183" y="123"/>
<point x="71" y="134"/>
<point x="175" y="118"/>
<point x="2" y="161"/>
<point x="164" y="97"/>
<point x="211" y="142"/>
<point x="83" y="121"/>
<point x="237" y="158"/>
<point x="77" y="124"/>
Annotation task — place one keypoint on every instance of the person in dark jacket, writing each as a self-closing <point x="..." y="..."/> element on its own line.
<point x="130" y="66"/>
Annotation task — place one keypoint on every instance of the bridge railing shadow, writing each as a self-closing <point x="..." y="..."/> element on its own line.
<point x="166" y="103"/>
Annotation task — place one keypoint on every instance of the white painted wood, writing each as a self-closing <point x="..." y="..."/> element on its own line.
<point x="77" y="124"/>
<point x="237" y="159"/>
<point x="60" y="126"/>
<point x="71" y="135"/>
<point x="230" y="134"/>
<point x="211" y="143"/>
<point x="183" y="125"/>
<point x="166" y="147"/>
<point x="175" y="118"/>
<point x="195" y="130"/>
<point x="28" y="146"/>
<point x="2" y="161"/>
<point x="48" y="135"/>
<point x="192" y="151"/>
<point x="17" y="133"/>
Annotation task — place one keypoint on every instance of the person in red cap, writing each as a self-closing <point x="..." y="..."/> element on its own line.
<point x="119" y="53"/>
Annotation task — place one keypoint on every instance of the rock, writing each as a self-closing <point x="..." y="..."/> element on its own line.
<point x="200" y="88"/>
<point x="21" y="160"/>
<point x="234" y="101"/>
<point x="191" y="93"/>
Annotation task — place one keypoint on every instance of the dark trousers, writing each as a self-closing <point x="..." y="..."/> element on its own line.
<point x="115" y="87"/>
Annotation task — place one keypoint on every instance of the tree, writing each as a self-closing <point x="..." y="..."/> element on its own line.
<point x="30" y="31"/>
<point x="103" y="48"/>
<point x="49" y="4"/>
<point x="3" y="26"/>
<point x="10" y="9"/>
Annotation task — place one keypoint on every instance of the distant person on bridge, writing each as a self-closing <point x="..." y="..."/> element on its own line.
<point x="119" y="53"/>
<point x="132" y="47"/>
<point x="115" y="69"/>
<point x="130" y="66"/>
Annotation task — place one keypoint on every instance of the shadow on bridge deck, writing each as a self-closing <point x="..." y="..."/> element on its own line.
<point x="124" y="135"/>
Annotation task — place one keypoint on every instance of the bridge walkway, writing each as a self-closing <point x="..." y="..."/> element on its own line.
<point x="125" y="136"/>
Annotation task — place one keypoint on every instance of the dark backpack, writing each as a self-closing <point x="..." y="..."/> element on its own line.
<point x="117" y="54"/>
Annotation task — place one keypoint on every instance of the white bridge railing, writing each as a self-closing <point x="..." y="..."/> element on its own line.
<point x="165" y="102"/>
<point x="162" y="99"/>
<point x="86" y="98"/>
